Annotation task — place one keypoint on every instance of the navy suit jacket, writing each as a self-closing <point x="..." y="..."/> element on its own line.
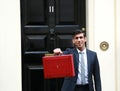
<point x="93" y="71"/>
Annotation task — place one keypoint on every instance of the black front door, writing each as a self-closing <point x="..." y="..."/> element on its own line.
<point x="45" y="25"/>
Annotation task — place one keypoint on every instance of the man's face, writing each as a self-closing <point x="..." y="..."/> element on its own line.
<point x="79" y="41"/>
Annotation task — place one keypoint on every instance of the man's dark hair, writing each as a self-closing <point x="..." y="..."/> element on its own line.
<point x="78" y="31"/>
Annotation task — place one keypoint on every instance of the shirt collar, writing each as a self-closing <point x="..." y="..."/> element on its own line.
<point x="84" y="51"/>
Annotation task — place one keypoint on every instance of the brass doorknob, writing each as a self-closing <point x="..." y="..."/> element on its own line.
<point x="104" y="45"/>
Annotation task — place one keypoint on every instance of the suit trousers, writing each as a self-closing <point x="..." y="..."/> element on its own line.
<point x="82" y="88"/>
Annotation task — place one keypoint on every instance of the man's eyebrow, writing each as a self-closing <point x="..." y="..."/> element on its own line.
<point x="79" y="37"/>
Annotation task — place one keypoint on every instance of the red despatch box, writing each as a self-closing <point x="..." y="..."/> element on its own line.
<point x="58" y="66"/>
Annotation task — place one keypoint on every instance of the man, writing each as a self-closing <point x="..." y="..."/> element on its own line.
<point x="87" y="77"/>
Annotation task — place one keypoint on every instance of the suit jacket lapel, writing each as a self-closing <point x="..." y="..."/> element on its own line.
<point x="88" y="60"/>
<point x="76" y="55"/>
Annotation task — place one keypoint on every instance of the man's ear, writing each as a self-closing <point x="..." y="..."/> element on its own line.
<point x="85" y="39"/>
<point x="73" y="41"/>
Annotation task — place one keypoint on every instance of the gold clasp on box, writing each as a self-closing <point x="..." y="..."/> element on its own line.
<point x="49" y="54"/>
